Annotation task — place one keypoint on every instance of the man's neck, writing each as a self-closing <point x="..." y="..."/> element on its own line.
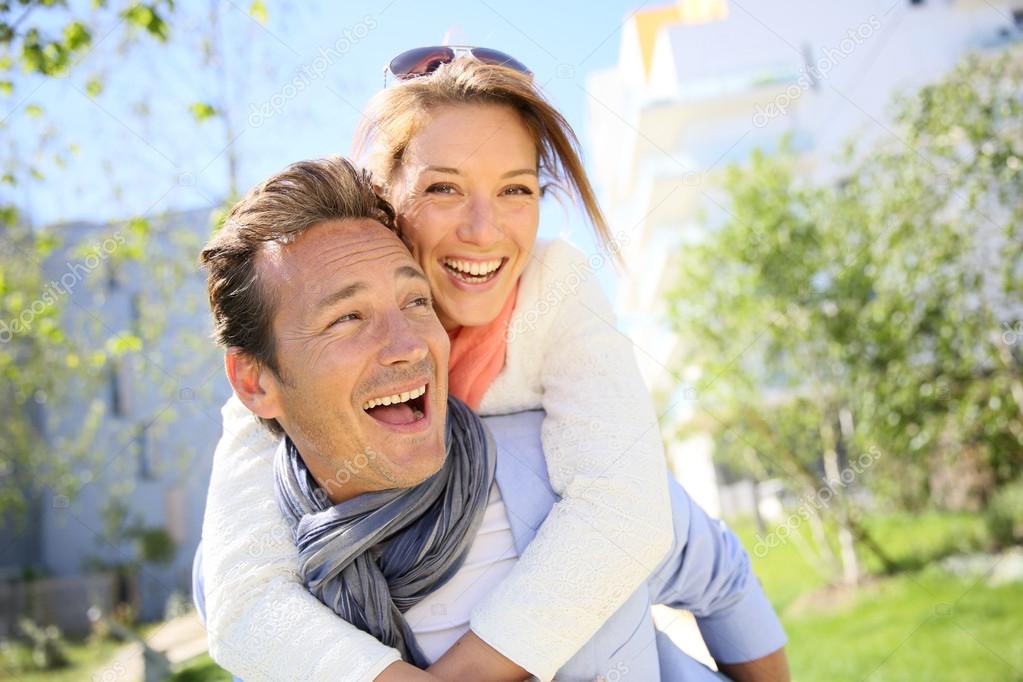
<point x="341" y="481"/>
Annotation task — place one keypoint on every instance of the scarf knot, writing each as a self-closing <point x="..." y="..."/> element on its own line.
<point x="373" y="557"/>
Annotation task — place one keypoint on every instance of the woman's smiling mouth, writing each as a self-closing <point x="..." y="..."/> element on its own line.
<point x="473" y="271"/>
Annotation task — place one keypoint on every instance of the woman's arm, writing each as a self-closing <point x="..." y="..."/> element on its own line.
<point x="708" y="573"/>
<point x="773" y="667"/>
<point x="470" y="658"/>
<point x="261" y="621"/>
<point x="400" y="671"/>
<point x="605" y="459"/>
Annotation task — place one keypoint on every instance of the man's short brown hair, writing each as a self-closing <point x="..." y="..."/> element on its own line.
<point x="277" y="211"/>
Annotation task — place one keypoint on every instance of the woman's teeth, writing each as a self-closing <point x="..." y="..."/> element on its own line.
<point x="395" y="399"/>
<point x="473" y="271"/>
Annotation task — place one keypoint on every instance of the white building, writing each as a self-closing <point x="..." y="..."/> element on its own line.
<point x="153" y="447"/>
<point x="700" y="83"/>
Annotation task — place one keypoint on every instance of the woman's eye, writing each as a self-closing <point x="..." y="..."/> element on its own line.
<point x="440" y="188"/>
<point x="520" y="190"/>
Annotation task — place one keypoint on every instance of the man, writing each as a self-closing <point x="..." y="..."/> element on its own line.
<point x="332" y="342"/>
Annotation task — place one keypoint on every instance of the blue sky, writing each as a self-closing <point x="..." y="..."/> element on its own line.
<point x="139" y="152"/>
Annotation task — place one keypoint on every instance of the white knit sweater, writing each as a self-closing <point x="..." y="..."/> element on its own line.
<point x="608" y="532"/>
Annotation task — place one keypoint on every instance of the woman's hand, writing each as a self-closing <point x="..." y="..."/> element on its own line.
<point x="470" y="658"/>
<point x="400" y="671"/>
<point x="773" y="667"/>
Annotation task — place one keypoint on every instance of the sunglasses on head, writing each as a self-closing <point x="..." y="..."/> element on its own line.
<point x="422" y="61"/>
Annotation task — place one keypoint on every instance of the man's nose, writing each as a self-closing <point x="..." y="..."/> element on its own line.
<point x="401" y="340"/>
<point x="480" y="226"/>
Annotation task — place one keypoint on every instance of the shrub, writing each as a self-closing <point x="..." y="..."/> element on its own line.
<point x="1004" y="514"/>
<point x="47" y="645"/>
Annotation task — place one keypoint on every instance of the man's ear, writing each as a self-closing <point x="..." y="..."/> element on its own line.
<point x="255" y="385"/>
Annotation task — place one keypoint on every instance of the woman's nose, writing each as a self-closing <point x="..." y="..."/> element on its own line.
<point x="480" y="227"/>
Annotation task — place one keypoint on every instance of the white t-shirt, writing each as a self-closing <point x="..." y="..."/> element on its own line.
<point x="441" y="618"/>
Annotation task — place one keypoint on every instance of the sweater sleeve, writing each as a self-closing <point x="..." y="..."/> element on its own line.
<point x="259" y="615"/>
<point x="601" y="440"/>
<point x="708" y="573"/>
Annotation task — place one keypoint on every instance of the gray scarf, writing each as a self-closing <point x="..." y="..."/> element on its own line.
<point x="373" y="557"/>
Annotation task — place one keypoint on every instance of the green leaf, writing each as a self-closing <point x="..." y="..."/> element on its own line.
<point x="125" y="343"/>
<point x="201" y="111"/>
<point x="147" y="18"/>
<point x="138" y="227"/>
<point x="6" y="87"/>
<point x="138" y="14"/>
<point x="34" y="111"/>
<point x="94" y="87"/>
<point x="76" y="36"/>
<point x="8" y="215"/>
<point x="46" y="242"/>
<point x="257" y="10"/>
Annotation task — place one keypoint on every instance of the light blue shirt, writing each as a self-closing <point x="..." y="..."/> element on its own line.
<point x="706" y="572"/>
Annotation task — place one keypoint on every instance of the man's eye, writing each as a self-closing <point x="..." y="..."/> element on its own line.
<point x="349" y="317"/>
<point x="421" y="301"/>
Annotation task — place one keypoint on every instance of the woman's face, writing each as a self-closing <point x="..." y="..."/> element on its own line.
<point x="468" y="197"/>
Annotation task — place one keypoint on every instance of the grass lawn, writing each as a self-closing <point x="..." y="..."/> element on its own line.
<point x="920" y="624"/>
<point x="87" y="659"/>
<point x="202" y="669"/>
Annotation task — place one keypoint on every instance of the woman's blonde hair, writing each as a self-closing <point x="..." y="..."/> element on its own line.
<point x="396" y="114"/>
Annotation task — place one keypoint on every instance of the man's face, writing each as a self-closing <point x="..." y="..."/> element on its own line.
<point x="363" y="358"/>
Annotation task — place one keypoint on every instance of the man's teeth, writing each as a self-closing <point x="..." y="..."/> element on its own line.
<point x="473" y="268"/>
<point x="395" y="399"/>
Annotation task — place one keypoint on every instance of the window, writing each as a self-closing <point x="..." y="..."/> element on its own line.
<point x="175" y="511"/>
<point x="809" y="66"/>
<point x="136" y="314"/>
<point x="144" y="450"/>
<point x="113" y="275"/>
<point x="115" y="381"/>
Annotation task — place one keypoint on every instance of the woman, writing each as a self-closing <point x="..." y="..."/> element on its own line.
<point x="464" y="149"/>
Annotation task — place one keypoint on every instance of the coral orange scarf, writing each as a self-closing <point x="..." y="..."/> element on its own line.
<point x="477" y="355"/>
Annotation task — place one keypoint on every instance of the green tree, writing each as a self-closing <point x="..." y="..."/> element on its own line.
<point x="869" y="323"/>
<point x="57" y="349"/>
<point x="46" y="361"/>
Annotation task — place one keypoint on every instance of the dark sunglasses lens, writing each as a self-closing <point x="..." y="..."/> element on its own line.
<point x="498" y="58"/>
<point x="420" y="61"/>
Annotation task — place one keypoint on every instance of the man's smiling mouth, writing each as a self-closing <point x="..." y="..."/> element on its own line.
<point x="406" y="407"/>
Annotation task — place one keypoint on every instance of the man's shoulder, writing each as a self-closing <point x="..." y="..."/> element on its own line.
<point x="516" y="425"/>
<point x="522" y="471"/>
<point x="517" y="437"/>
